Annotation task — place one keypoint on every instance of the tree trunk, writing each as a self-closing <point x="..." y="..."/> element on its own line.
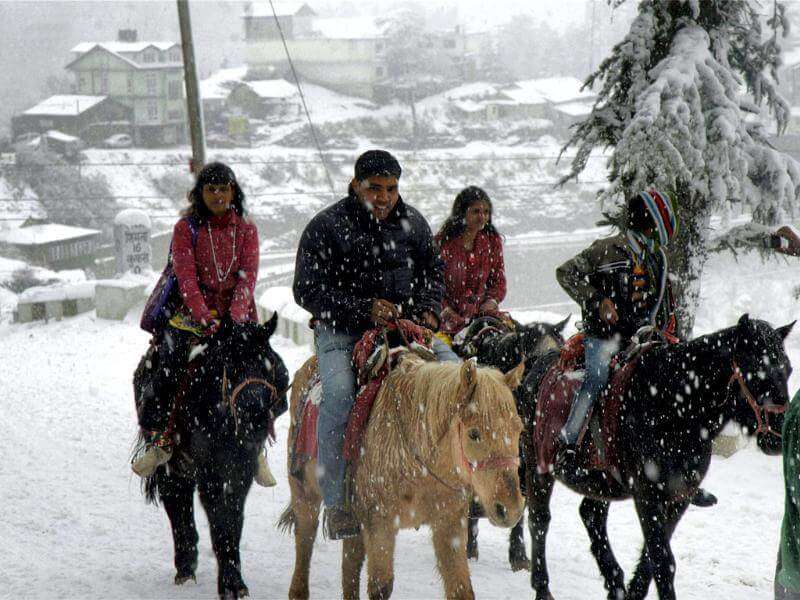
<point x="688" y="255"/>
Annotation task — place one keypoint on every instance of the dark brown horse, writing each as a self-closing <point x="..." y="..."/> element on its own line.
<point x="679" y="399"/>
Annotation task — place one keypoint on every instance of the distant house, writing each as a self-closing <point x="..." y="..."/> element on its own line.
<point x="91" y="118"/>
<point x="262" y="99"/>
<point x="215" y="89"/>
<point x="144" y="76"/>
<point x="558" y="100"/>
<point x="51" y="245"/>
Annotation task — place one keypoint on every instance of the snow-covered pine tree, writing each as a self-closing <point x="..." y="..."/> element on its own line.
<point x="679" y="105"/>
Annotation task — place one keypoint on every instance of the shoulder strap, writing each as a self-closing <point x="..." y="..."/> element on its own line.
<point x="193" y="229"/>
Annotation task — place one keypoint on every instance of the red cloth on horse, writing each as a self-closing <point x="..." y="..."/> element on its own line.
<point x="556" y="393"/>
<point x="305" y="443"/>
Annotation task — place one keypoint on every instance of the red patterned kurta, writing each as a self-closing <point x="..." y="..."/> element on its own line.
<point x="471" y="277"/>
<point x="200" y="285"/>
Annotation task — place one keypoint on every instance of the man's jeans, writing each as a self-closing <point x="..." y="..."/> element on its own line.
<point x="334" y="356"/>
<point x="598" y="354"/>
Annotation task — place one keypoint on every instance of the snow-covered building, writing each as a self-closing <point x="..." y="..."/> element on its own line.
<point x="215" y="89"/>
<point x="51" y="245"/>
<point x="145" y="76"/>
<point x="345" y="54"/>
<point x="267" y="98"/>
<point x="91" y="118"/>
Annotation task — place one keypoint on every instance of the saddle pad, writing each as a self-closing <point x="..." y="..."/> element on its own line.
<point x="556" y="393"/>
<point x="305" y="443"/>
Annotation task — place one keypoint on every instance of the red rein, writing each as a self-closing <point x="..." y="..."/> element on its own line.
<point x="761" y="412"/>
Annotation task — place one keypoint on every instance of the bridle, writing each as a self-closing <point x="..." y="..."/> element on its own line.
<point x="761" y="412"/>
<point x="487" y="464"/>
<point x="231" y="400"/>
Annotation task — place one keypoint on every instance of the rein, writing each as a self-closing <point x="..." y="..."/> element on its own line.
<point x="231" y="400"/>
<point x="761" y="412"/>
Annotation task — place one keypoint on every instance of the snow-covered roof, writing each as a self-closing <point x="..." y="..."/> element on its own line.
<point x="218" y="85"/>
<point x="69" y="291"/>
<point x="348" y="28"/>
<point x="60" y="136"/>
<point x="575" y="109"/>
<point x="472" y="90"/>
<point x="284" y="8"/>
<point x="64" y="105"/>
<point x="122" y="47"/>
<point x="551" y="89"/>
<point x="35" y="235"/>
<point x="272" y="88"/>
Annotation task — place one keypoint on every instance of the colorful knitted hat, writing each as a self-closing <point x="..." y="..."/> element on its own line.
<point x="662" y="210"/>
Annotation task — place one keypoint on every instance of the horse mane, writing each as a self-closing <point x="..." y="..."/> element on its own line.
<point x="428" y="398"/>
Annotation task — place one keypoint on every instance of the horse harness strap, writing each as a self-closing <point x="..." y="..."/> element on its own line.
<point x="487" y="464"/>
<point x="761" y="412"/>
<point x="231" y="400"/>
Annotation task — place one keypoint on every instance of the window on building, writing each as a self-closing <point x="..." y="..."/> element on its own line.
<point x="70" y="308"/>
<point x="152" y="111"/>
<point x="450" y="43"/>
<point x="175" y="55"/>
<point x="130" y="84"/>
<point x="175" y="89"/>
<point x="379" y="71"/>
<point x="149" y="57"/>
<point x="82" y="83"/>
<point x="103" y="77"/>
<point x="152" y="84"/>
<point x="174" y="115"/>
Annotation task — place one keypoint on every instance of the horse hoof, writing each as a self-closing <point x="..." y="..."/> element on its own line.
<point x="181" y="579"/>
<point x="520" y="564"/>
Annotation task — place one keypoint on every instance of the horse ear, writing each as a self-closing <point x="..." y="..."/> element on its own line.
<point x="469" y="377"/>
<point x="514" y="376"/>
<point x="744" y="321"/>
<point x="785" y="330"/>
<point x="559" y="327"/>
<point x="271" y="325"/>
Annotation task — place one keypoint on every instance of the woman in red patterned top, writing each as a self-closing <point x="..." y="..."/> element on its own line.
<point x="472" y="250"/>
<point x="215" y="259"/>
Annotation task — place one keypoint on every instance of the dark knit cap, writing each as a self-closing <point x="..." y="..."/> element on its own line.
<point x="377" y="163"/>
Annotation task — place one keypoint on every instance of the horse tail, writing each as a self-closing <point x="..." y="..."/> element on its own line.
<point x="287" y="521"/>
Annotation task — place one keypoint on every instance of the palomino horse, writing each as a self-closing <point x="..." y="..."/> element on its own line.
<point x="438" y="432"/>
<point x="678" y="401"/>
<point x="235" y="388"/>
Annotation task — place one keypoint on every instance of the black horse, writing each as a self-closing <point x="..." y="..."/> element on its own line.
<point x="678" y="401"/>
<point x="504" y="350"/>
<point x="235" y="388"/>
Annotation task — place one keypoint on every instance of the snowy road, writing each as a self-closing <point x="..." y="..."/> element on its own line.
<point x="74" y="524"/>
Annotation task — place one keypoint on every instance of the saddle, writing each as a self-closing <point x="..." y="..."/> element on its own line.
<point x="374" y="356"/>
<point x="557" y="390"/>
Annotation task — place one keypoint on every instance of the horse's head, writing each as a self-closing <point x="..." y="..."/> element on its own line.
<point x="488" y="439"/>
<point x="536" y="339"/>
<point x="245" y="376"/>
<point x="760" y="373"/>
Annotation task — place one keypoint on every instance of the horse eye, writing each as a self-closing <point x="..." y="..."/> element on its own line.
<point x="474" y="434"/>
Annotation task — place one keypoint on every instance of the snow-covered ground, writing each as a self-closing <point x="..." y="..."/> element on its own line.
<point x="75" y="526"/>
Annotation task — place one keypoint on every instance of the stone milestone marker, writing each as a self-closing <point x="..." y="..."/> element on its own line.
<point x="132" y="242"/>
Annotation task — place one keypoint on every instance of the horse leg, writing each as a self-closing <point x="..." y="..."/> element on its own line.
<point x="223" y="501"/>
<point x="540" y="488"/>
<point x="305" y="519"/>
<point x="640" y="582"/>
<point x="449" y="542"/>
<point x="594" y="514"/>
<point x="379" y="542"/>
<point x="472" y="532"/>
<point x="177" y="496"/>
<point x="517" y="557"/>
<point x="352" y="561"/>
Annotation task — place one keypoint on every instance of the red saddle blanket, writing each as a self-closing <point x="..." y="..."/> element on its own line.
<point x="372" y="365"/>
<point x="556" y="393"/>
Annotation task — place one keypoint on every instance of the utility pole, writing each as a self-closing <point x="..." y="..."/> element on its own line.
<point x="193" y="104"/>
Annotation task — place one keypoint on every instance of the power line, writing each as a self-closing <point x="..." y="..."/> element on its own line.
<point x="303" y="99"/>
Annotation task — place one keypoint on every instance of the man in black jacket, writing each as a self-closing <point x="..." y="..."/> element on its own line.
<point x="363" y="261"/>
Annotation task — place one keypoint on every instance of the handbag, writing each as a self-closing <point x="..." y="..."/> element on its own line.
<point x="165" y="295"/>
